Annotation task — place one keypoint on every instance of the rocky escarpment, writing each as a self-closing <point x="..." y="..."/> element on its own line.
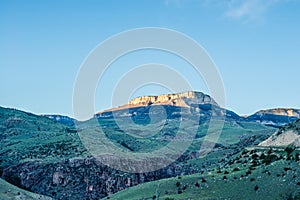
<point x="184" y="99"/>
<point x="287" y="135"/>
<point x="81" y="178"/>
<point x="276" y="117"/>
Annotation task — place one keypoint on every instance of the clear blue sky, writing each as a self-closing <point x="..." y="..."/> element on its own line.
<point x="254" y="43"/>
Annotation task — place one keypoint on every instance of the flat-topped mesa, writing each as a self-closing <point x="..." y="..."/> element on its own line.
<point x="184" y="99"/>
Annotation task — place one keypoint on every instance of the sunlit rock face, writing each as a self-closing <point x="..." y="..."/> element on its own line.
<point x="184" y="99"/>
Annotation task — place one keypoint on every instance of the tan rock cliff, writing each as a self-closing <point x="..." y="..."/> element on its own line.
<point x="184" y="99"/>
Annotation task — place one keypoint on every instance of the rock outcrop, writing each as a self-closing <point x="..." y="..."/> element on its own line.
<point x="180" y="99"/>
<point x="81" y="178"/>
<point x="287" y="135"/>
<point x="184" y="99"/>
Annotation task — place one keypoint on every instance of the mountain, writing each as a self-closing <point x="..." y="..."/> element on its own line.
<point x="285" y="136"/>
<point x="276" y="117"/>
<point x="43" y="155"/>
<point x="188" y="105"/>
<point x="48" y="158"/>
<point x="195" y="103"/>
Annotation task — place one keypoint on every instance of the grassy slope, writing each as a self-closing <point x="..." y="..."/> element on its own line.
<point x="27" y="137"/>
<point x="232" y="133"/>
<point x="10" y="192"/>
<point x="279" y="180"/>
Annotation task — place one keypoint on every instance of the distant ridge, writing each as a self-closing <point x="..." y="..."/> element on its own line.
<point x="61" y="119"/>
<point x="290" y="112"/>
<point x="276" y="117"/>
<point x="200" y="102"/>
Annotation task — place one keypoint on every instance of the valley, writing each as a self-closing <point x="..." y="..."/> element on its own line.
<point x="53" y="155"/>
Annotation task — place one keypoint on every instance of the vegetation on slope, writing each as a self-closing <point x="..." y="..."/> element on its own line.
<point x="11" y="192"/>
<point x="47" y="157"/>
<point x="256" y="174"/>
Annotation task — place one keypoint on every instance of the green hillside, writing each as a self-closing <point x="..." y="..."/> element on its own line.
<point x="249" y="175"/>
<point x="11" y="192"/>
<point x="27" y="137"/>
<point x="47" y="157"/>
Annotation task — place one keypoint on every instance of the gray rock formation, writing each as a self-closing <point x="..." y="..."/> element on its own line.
<point x="287" y="135"/>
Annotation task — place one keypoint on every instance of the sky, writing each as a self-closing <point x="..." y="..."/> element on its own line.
<point x="254" y="44"/>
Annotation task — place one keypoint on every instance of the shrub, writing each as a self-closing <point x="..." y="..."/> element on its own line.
<point x="248" y="172"/>
<point x="286" y="168"/>
<point x="297" y="157"/>
<point x="270" y="151"/>
<point x="254" y="163"/>
<point x="289" y="149"/>
<point x="235" y="169"/>
<point x="269" y="159"/>
<point x="245" y="151"/>
<point x="254" y="156"/>
<point x="262" y="156"/>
